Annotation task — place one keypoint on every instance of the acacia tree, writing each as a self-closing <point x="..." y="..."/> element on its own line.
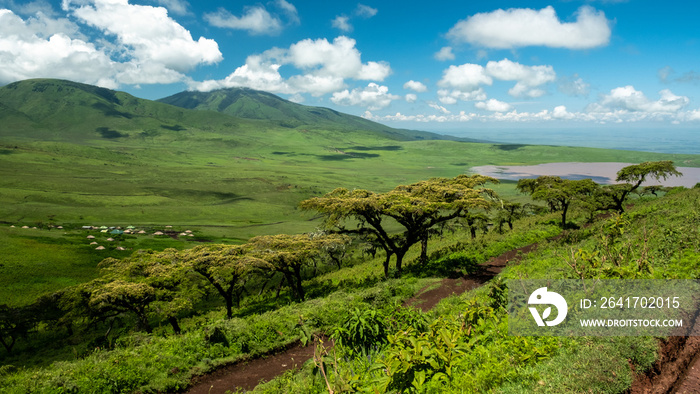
<point x="558" y="193"/>
<point x="289" y="254"/>
<point x="163" y="273"/>
<point x="121" y="296"/>
<point x="15" y="323"/>
<point x="509" y="212"/>
<point x="475" y="222"/>
<point x="614" y="196"/>
<point x="418" y="208"/>
<point x="225" y="267"/>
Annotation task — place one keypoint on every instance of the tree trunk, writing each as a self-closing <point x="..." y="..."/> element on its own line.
<point x="173" y="322"/>
<point x="143" y="322"/>
<point x="424" y="249"/>
<point x="229" y="306"/>
<point x="619" y="203"/>
<point x="565" y="207"/>
<point x="8" y="345"/>
<point x="399" y="261"/>
<point x="262" y="288"/>
<point x="279" y="288"/>
<point x="299" y="288"/>
<point x="386" y="264"/>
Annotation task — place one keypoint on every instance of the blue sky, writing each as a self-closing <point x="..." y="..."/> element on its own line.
<point x="423" y="65"/>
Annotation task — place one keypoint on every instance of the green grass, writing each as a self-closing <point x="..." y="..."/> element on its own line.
<point x="229" y="178"/>
<point x="226" y="190"/>
<point x="39" y="261"/>
<point x="500" y="363"/>
<point x="261" y="324"/>
<point x="496" y="361"/>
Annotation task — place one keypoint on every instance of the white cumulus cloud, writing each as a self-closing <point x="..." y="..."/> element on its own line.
<point x="627" y="98"/>
<point x="373" y="97"/>
<point x="365" y="11"/>
<point x="324" y="68"/>
<point x="493" y="105"/>
<point x="342" y="23"/>
<point x="257" y="20"/>
<point x="134" y="44"/>
<point x="560" y="112"/>
<point x="466" y="77"/>
<point x="444" y="54"/>
<point x="528" y="78"/>
<point x="148" y="36"/>
<point x="415" y="86"/>
<point x="520" y="27"/>
<point x="464" y="82"/>
<point x="339" y="58"/>
<point x="32" y="48"/>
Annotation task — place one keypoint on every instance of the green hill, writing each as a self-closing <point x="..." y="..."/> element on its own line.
<point x="72" y="109"/>
<point x="254" y="104"/>
<point x="50" y="109"/>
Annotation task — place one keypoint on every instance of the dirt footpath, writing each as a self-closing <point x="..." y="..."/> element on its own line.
<point x="677" y="370"/>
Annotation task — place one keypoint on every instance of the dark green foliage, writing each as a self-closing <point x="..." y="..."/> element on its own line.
<point x="498" y="294"/>
<point x="558" y="193"/>
<point x="216" y="335"/>
<point x="15" y="323"/>
<point x="362" y="330"/>
<point x="456" y="264"/>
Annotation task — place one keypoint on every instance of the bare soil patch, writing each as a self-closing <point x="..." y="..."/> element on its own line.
<point x="427" y="298"/>
<point x="677" y="369"/>
<point x="247" y="375"/>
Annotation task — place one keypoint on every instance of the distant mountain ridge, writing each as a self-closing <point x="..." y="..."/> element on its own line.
<point x="53" y="107"/>
<point x="255" y="104"/>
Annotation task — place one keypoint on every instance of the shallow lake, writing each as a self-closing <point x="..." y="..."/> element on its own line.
<point x="600" y="172"/>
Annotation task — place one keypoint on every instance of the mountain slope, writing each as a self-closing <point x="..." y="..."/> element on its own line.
<point x="60" y="109"/>
<point x="255" y="104"/>
<point x="64" y="110"/>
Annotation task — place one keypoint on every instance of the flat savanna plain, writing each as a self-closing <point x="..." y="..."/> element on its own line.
<point x="227" y="183"/>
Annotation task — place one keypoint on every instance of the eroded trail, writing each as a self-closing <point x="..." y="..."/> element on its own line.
<point x="247" y="375"/>
<point x="677" y="369"/>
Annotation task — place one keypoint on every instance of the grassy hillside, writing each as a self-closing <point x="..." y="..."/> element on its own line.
<point x="461" y="345"/>
<point x="468" y="348"/>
